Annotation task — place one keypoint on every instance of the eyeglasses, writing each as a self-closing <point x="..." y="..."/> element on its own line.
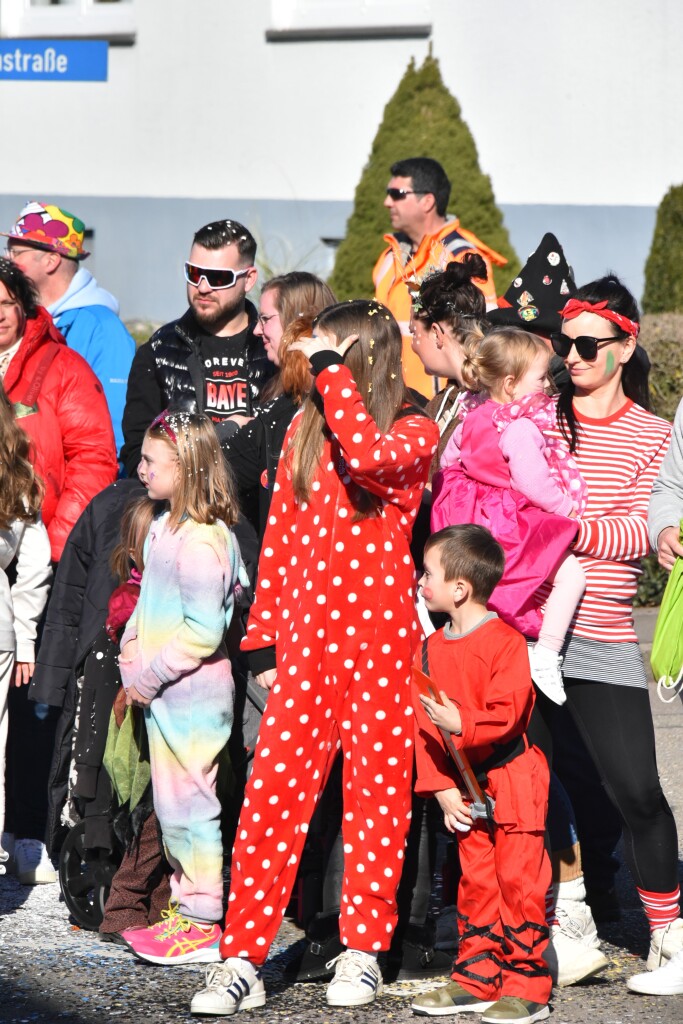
<point x="400" y="193"/>
<point x="215" y="277"/>
<point x="586" y="347"/>
<point x="263" y="319"/>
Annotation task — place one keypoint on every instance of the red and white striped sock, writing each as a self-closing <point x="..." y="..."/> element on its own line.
<point x="661" y="908"/>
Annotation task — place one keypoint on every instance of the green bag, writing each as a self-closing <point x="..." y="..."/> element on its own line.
<point x="666" y="657"/>
<point x="126" y="757"/>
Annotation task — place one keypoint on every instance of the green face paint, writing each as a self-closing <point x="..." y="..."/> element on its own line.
<point x="609" y="362"/>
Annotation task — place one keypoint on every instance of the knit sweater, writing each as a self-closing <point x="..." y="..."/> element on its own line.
<point x="186" y="602"/>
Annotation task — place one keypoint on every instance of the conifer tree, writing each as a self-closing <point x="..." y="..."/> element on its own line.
<point x="664" y="267"/>
<point x="421" y="119"/>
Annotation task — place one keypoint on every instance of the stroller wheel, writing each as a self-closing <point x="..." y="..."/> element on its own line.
<point x="85" y="878"/>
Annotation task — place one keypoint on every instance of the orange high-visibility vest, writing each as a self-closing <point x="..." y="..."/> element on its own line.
<point x="397" y="272"/>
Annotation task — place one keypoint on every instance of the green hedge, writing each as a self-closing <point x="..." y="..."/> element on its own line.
<point x="421" y="119"/>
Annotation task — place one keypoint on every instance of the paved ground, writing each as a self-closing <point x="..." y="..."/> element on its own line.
<point x="51" y="972"/>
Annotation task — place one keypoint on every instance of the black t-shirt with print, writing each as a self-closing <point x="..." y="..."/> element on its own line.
<point x="225" y="375"/>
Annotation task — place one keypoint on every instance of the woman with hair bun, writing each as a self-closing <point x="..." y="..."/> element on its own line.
<point x="448" y="311"/>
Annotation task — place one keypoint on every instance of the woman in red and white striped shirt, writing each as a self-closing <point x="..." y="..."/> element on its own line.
<point x="618" y="446"/>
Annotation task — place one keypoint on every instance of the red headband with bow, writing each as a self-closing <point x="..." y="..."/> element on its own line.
<point x="574" y="307"/>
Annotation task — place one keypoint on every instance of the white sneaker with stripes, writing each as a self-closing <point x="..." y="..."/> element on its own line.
<point x="232" y="985"/>
<point x="357" y="980"/>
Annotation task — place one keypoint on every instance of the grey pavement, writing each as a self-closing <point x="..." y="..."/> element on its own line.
<point x="54" y="973"/>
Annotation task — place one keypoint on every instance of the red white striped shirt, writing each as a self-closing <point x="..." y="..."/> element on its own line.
<point x="619" y="458"/>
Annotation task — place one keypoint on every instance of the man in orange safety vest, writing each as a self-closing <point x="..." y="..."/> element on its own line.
<point x="423" y="241"/>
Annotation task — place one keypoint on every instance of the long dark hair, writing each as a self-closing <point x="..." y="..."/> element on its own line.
<point x="635" y="372"/>
<point x="19" y="287"/>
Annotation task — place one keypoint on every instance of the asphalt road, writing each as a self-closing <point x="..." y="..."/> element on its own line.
<point x="53" y="972"/>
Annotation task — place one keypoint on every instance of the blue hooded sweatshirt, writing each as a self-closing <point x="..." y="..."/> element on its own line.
<point x="87" y="317"/>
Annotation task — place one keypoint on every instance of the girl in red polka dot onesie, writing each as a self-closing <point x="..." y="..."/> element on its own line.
<point x="332" y="634"/>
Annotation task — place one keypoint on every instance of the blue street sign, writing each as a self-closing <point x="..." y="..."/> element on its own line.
<point x="54" y="60"/>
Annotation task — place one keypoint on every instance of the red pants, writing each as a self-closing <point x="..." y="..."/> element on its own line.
<point x="501" y="899"/>
<point x="299" y="737"/>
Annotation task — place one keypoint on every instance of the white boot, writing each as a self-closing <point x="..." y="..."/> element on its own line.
<point x="573" y="951"/>
<point x="573" y="913"/>
<point x="666" y="980"/>
<point x="665" y="943"/>
<point x="7" y="853"/>
<point x="546" y="672"/>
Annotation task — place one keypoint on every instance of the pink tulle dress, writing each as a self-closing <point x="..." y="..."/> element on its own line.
<point x="474" y="486"/>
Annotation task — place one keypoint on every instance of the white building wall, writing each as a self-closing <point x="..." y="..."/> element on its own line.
<point x="573" y="104"/>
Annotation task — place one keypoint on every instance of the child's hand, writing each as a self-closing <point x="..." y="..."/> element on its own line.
<point x="323" y="343"/>
<point x="456" y="813"/>
<point x="136" y="699"/>
<point x="444" y="717"/>
<point x="266" y="680"/>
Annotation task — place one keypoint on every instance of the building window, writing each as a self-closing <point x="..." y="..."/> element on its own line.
<point x="113" y="20"/>
<point x="314" y="20"/>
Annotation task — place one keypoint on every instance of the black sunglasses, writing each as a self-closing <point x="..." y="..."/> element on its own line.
<point x="400" y="193"/>
<point x="216" y="278"/>
<point x="586" y="347"/>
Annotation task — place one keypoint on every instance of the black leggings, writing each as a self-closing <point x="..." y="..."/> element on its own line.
<point x="616" y="725"/>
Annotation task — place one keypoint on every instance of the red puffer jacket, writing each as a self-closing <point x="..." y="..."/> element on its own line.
<point x="60" y="404"/>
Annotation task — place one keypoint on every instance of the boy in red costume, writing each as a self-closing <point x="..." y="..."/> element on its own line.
<point x="480" y="667"/>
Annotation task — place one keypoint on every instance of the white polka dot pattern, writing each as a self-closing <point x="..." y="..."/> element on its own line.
<point x="344" y="650"/>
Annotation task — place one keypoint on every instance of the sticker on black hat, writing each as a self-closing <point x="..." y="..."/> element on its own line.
<point x="553" y="258"/>
<point x="528" y="313"/>
<point x="564" y="288"/>
<point x="517" y="283"/>
<point x="547" y="279"/>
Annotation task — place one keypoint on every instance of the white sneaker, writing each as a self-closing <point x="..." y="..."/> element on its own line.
<point x="665" y="943"/>
<point x="357" y="980"/>
<point x="574" y="914"/>
<point x="666" y="980"/>
<point x="570" y="961"/>
<point x="32" y="864"/>
<point x="232" y="985"/>
<point x="7" y="853"/>
<point x="545" y="672"/>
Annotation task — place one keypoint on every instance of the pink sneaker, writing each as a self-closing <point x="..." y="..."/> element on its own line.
<point x="174" y="940"/>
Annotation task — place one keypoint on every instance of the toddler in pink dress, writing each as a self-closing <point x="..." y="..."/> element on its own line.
<point x="504" y="470"/>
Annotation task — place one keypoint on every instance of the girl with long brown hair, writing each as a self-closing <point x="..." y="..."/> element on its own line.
<point x="175" y="665"/>
<point x="332" y="635"/>
<point x="24" y="541"/>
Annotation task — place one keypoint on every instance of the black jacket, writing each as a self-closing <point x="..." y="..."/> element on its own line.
<point x="253" y="454"/>
<point x="167" y="371"/>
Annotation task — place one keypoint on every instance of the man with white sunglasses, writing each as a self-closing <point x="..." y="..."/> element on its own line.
<point x="209" y="360"/>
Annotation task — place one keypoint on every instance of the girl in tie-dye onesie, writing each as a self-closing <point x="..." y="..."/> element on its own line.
<point x="174" y="664"/>
<point x="332" y="633"/>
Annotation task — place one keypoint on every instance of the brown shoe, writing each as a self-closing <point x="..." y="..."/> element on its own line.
<point x="450" y="998"/>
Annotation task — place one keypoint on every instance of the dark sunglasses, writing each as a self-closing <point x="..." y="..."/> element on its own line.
<point x="400" y="193"/>
<point x="587" y="348"/>
<point x="216" y="278"/>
